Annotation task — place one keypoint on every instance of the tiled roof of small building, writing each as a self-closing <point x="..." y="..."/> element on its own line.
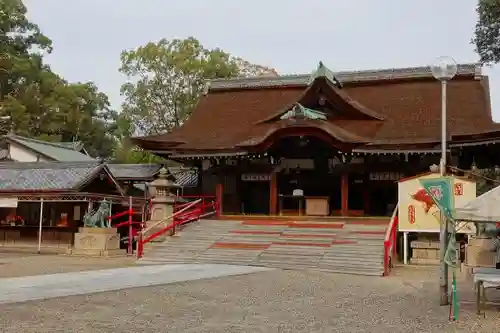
<point x="134" y="171"/>
<point x="32" y="176"/>
<point x="56" y="151"/>
<point x="184" y="177"/>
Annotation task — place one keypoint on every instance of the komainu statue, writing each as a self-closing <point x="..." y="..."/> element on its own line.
<point x="98" y="218"/>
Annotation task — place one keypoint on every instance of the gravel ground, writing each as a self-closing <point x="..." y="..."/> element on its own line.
<point x="15" y="264"/>
<point x="275" y="301"/>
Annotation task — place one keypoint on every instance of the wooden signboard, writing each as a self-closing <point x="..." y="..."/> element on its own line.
<point x="417" y="211"/>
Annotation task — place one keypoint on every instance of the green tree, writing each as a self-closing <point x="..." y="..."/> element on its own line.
<point x="166" y="79"/>
<point x="487" y="33"/>
<point x="125" y="151"/>
<point x="38" y="102"/>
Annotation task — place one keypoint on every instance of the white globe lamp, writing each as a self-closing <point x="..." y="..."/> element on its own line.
<point x="444" y="68"/>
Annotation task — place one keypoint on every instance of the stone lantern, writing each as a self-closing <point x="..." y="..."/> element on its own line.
<point x="162" y="202"/>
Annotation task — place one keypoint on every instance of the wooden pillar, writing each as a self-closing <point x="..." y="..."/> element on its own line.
<point x="344" y="194"/>
<point x="219" y="196"/>
<point x="273" y="193"/>
<point x="366" y="199"/>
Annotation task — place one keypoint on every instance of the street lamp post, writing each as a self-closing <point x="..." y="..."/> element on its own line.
<point x="443" y="69"/>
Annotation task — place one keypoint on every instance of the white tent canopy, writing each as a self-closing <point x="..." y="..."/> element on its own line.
<point x="485" y="208"/>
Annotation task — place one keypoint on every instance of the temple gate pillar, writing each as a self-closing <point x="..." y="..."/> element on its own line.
<point x="219" y="196"/>
<point x="273" y="193"/>
<point x="344" y="194"/>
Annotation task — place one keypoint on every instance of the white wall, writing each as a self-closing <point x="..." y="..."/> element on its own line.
<point x="20" y="154"/>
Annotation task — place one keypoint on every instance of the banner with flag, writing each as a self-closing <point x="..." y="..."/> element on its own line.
<point x="440" y="190"/>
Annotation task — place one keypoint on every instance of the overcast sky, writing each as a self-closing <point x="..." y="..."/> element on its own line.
<point x="289" y="35"/>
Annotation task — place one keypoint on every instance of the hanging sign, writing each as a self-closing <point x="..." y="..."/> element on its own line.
<point x="8" y="202"/>
<point x="255" y="177"/>
<point x="386" y="175"/>
<point x="421" y="197"/>
<point x="439" y="190"/>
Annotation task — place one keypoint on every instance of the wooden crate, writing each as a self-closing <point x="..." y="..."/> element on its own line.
<point x="480" y="253"/>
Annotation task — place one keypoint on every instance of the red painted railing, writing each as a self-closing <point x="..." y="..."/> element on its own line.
<point x="390" y="242"/>
<point x="184" y="212"/>
<point x="133" y="226"/>
<point x="207" y="206"/>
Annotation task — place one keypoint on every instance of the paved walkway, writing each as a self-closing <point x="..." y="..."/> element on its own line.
<point x="39" y="287"/>
<point x="266" y="302"/>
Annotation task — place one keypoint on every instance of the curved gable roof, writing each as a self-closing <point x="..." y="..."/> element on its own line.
<point x="407" y="99"/>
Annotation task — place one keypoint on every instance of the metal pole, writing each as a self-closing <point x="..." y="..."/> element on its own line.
<point x="405" y="248"/>
<point x="443" y="128"/>
<point x="40" y="227"/>
<point x="130" y="231"/>
<point x="443" y="237"/>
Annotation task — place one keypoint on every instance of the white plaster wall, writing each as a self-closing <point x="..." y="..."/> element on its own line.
<point x="21" y="154"/>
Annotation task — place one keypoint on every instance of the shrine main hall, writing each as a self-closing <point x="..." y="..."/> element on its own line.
<point x="330" y="143"/>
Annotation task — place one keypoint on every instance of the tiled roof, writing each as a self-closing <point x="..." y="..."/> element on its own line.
<point x="184" y="177"/>
<point x="31" y="176"/>
<point x="56" y="151"/>
<point x="77" y="145"/>
<point x="409" y="100"/>
<point x="134" y="171"/>
<point x="345" y="77"/>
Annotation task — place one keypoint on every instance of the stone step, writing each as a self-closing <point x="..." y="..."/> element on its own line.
<point x="294" y="251"/>
<point x="189" y="240"/>
<point x="349" y="243"/>
<point x="257" y="240"/>
<point x="177" y="251"/>
<point x="325" y="231"/>
<point x="186" y="246"/>
<point x="311" y="261"/>
<point x="382" y="227"/>
<point x="288" y="257"/>
<point x="228" y="260"/>
<point x="344" y="256"/>
<point x="232" y="252"/>
<point x="187" y="243"/>
<point x="346" y="235"/>
<point x="354" y="249"/>
<point x="282" y="265"/>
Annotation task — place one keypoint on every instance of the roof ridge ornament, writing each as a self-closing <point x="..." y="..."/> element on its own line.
<point x="299" y="111"/>
<point x="323" y="71"/>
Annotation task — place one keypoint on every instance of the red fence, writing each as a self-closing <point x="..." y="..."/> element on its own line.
<point x="206" y="206"/>
<point x="390" y="242"/>
<point x="134" y="227"/>
<point x="186" y="209"/>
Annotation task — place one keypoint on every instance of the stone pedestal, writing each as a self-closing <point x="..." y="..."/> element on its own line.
<point x="97" y="242"/>
<point x="425" y="253"/>
<point x="480" y="253"/>
<point x="161" y="210"/>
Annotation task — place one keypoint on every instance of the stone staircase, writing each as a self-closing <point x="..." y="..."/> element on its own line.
<point x="343" y="246"/>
